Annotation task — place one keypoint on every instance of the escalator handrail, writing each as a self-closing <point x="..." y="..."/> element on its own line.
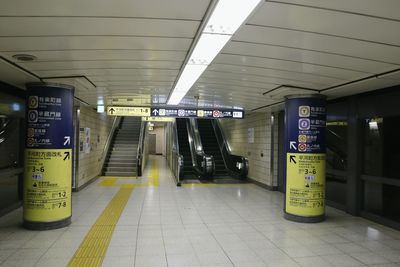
<point x="227" y="155"/>
<point x="178" y="158"/>
<point x="207" y="166"/>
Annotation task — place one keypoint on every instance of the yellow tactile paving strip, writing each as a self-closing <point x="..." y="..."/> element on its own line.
<point x="93" y="248"/>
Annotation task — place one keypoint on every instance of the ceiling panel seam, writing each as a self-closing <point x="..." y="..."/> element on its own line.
<point x="294" y="61"/>
<point x="138" y="68"/>
<point x="95" y="35"/>
<point x="269" y="105"/>
<point x="323" y="34"/>
<point x="334" y="10"/>
<point x="269" y="76"/>
<point x="98" y="49"/>
<point x="268" y="68"/>
<point x="376" y="76"/>
<point x="266" y="82"/>
<point x="101" y="17"/>
<point x="313" y="50"/>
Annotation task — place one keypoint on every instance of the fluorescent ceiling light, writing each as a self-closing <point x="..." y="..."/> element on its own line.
<point x="100" y="109"/>
<point x="189" y="76"/>
<point x="176" y="97"/>
<point x="228" y="15"/>
<point x="207" y="48"/>
<point x="224" y="21"/>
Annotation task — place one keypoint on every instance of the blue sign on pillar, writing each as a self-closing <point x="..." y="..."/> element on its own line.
<point x="305" y="158"/>
<point x="48" y="156"/>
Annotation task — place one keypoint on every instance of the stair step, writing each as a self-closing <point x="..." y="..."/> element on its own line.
<point x="120" y="142"/>
<point x="122" y="146"/>
<point x="107" y="173"/>
<point x="122" y="157"/>
<point x="123" y="152"/>
<point x="120" y="169"/>
<point x="122" y="161"/>
<point x="121" y="164"/>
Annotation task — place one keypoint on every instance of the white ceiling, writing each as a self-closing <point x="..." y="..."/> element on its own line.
<point x="134" y="49"/>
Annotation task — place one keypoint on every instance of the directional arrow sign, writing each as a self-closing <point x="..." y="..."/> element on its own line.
<point x="155" y="112"/>
<point x="111" y="110"/>
<point x="67" y="155"/>
<point x="292" y="159"/>
<point x="293" y="145"/>
<point x="67" y="140"/>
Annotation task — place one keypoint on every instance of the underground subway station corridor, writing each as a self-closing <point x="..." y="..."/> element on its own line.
<point x="150" y="222"/>
<point x="182" y="133"/>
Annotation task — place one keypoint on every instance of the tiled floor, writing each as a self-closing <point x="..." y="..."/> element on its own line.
<point x="219" y="225"/>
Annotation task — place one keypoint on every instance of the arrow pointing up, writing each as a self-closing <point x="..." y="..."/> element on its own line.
<point x="293" y="145"/>
<point x="155" y="112"/>
<point x="67" y="155"/>
<point x="67" y="140"/>
<point x="292" y="159"/>
<point x="111" y="110"/>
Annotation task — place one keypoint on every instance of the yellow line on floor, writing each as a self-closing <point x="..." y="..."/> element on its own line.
<point x="154" y="179"/>
<point x="93" y="248"/>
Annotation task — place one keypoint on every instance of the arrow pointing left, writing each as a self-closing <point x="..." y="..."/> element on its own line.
<point x="67" y="155"/>
<point x="67" y="140"/>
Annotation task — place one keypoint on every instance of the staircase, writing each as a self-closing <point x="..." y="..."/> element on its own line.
<point x="122" y="154"/>
<point x="184" y="149"/>
<point x="210" y="145"/>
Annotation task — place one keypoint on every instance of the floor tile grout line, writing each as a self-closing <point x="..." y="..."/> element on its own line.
<point x="16" y="249"/>
<point x="119" y="200"/>
<point x="206" y="225"/>
<point x="55" y="241"/>
<point x="137" y="230"/>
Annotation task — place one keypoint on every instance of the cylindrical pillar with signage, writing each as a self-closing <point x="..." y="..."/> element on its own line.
<point x="48" y="156"/>
<point x="305" y="158"/>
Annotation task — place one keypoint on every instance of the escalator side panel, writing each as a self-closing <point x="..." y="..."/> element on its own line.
<point x="184" y="149"/>
<point x="211" y="146"/>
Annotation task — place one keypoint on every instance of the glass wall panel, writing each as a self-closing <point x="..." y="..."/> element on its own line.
<point x="336" y="160"/>
<point x="380" y="168"/>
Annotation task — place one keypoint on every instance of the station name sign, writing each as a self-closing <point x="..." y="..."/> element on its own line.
<point x="175" y="112"/>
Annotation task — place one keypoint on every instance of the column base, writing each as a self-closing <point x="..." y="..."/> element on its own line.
<point x="47" y="225"/>
<point x="303" y="219"/>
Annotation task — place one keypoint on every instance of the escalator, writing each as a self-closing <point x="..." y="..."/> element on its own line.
<point x="184" y="149"/>
<point x="211" y="146"/>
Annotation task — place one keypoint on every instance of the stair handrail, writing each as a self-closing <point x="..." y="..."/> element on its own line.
<point x="139" y="157"/>
<point x="116" y="123"/>
<point x="207" y="164"/>
<point x="235" y="164"/>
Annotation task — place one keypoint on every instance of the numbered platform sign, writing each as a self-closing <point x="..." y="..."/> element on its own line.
<point x="48" y="156"/>
<point x="305" y="158"/>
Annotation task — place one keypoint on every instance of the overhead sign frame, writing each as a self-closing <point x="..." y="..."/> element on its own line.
<point x="166" y="112"/>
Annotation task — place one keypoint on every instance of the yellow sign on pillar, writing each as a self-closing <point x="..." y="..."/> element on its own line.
<point x="305" y="185"/>
<point x="47" y="185"/>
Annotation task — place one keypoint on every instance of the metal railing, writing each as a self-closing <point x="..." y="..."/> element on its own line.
<point x="236" y="165"/>
<point x="140" y="149"/>
<point x="115" y="125"/>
